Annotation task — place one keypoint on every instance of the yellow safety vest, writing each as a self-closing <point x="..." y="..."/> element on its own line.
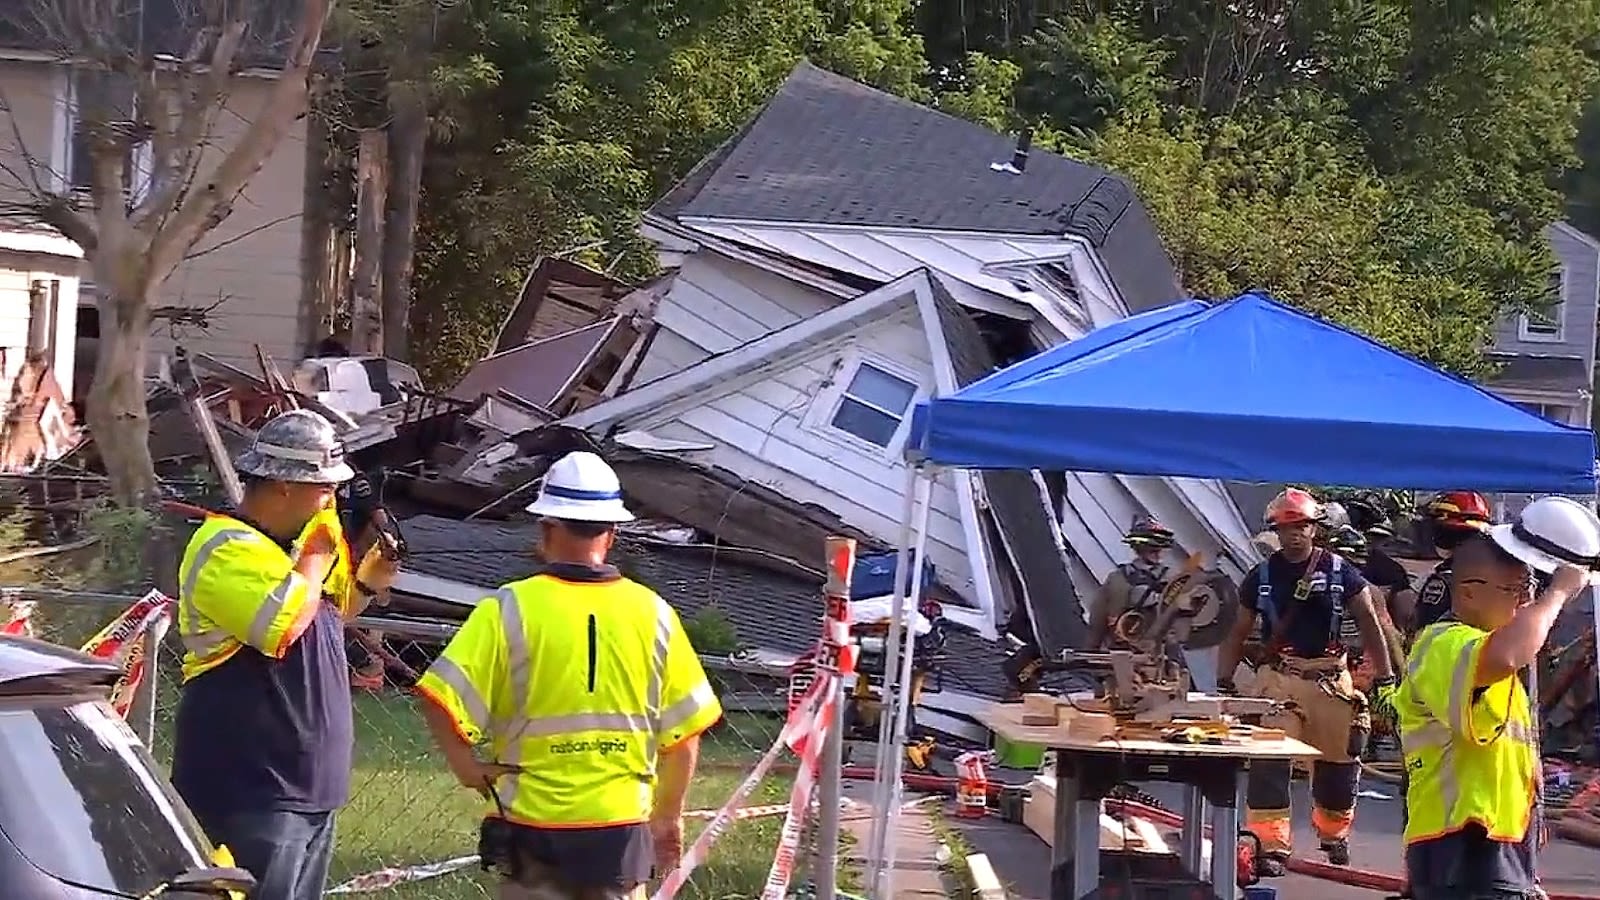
<point x="1472" y="756"/>
<point x="237" y="587"/>
<point x="580" y="683"/>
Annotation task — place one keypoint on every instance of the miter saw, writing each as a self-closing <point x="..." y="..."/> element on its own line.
<point x="1143" y="662"/>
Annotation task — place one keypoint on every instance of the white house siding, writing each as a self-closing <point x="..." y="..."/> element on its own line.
<point x="18" y="271"/>
<point x="771" y="429"/>
<point x="716" y="304"/>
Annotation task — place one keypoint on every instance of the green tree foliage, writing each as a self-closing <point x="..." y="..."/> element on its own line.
<point x="561" y="122"/>
<point x="1385" y="164"/>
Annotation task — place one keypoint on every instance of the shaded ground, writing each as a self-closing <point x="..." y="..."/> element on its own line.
<point x="1022" y="860"/>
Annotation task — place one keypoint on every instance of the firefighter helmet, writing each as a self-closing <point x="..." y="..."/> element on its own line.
<point x="1350" y="544"/>
<point x="1293" y="507"/>
<point x="1458" y="510"/>
<point x="1147" y="531"/>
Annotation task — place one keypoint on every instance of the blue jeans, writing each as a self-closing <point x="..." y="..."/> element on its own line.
<point x="287" y="852"/>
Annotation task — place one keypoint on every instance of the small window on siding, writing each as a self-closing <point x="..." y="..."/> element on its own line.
<point x="1545" y="325"/>
<point x="873" y="405"/>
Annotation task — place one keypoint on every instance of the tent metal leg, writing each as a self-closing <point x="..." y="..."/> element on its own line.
<point x="902" y="581"/>
<point x="893" y="749"/>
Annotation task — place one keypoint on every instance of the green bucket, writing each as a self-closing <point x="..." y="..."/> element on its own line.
<point x="1017" y="755"/>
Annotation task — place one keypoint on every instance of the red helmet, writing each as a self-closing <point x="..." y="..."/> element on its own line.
<point x="1292" y="507"/>
<point x="1458" y="509"/>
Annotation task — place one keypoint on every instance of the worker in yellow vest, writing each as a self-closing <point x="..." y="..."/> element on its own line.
<point x="1466" y="725"/>
<point x="264" y="735"/>
<point x="589" y="701"/>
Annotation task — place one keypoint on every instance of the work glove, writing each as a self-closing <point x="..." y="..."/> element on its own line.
<point x="1383" y="692"/>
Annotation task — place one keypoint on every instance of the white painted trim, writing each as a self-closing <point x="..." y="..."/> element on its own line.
<point x="1013" y="237"/>
<point x="1576" y="233"/>
<point x="979" y="559"/>
<point x="824" y="408"/>
<point x="44" y="243"/>
<point x="60" y="127"/>
<point x="827" y="325"/>
<point x="731" y="250"/>
<point x="1558" y="314"/>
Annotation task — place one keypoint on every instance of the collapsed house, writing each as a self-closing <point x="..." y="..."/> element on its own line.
<point x="843" y="256"/>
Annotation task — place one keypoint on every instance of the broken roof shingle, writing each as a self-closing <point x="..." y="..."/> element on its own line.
<point x="768" y="609"/>
<point x="829" y="150"/>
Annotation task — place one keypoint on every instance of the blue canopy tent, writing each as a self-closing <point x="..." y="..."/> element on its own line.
<point x="1249" y="390"/>
<point x="1245" y="390"/>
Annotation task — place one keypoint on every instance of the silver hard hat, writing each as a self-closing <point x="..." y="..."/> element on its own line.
<point x="299" y="446"/>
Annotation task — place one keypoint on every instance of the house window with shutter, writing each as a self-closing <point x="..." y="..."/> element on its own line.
<point x="88" y="99"/>
<point x="873" y="404"/>
<point x="1545" y="326"/>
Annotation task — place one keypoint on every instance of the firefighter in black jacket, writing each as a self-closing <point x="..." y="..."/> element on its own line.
<point x="1452" y="517"/>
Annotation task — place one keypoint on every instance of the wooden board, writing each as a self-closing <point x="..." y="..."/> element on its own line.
<point x="1136" y="834"/>
<point x="1005" y="719"/>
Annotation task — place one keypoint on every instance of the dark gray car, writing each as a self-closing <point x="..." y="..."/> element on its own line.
<point x="84" y="811"/>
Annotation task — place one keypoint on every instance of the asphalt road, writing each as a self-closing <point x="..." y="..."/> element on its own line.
<point x="1022" y="861"/>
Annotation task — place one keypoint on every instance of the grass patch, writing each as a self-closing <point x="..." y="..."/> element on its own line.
<point x="957" y="877"/>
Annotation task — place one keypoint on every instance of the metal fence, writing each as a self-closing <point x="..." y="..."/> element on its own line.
<point x="406" y="809"/>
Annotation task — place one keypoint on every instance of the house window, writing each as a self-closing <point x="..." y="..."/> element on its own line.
<point x="107" y="101"/>
<point x="1545" y="327"/>
<point x="1555" y="413"/>
<point x="873" y="405"/>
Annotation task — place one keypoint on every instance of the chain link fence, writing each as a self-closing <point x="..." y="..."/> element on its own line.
<point x="406" y="809"/>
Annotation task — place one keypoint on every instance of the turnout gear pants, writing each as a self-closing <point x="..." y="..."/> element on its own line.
<point x="1323" y="709"/>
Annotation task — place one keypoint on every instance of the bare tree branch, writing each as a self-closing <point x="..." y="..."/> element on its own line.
<point x="249" y="232"/>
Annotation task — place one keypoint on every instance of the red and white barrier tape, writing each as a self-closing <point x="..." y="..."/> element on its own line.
<point x="386" y="878"/>
<point x="122" y="641"/>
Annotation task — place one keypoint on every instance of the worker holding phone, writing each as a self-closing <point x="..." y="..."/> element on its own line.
<point x="264" y="734"/>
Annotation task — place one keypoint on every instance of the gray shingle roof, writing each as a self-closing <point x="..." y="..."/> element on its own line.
<point x="768" y="609"/>
<point x="829" y="150"/>
<point x="1546" y="373"/>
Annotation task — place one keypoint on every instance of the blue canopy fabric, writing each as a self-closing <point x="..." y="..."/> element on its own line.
<point x="1249" y="390"/>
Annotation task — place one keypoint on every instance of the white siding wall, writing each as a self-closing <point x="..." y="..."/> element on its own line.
<point x="771" y="428"/>
<point x="17" y="273"/>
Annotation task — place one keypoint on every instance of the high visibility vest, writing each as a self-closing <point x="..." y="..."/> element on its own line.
<point x="1472" y="756"/>
<point x="237" y="587"/>
<point x="580" y="683"/>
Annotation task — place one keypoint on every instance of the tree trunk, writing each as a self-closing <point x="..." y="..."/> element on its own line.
<point x="408" y="142"/>
<point x="366" y="311"/>
<point x="317" y="300"/>
<point x="119" y="420"/>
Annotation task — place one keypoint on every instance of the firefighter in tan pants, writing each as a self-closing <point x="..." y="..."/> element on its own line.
<point x="1300" y="594"/>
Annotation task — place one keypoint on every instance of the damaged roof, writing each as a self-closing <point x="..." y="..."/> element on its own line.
<point x="828" y="150"/>
<point x="768" y="609"/>
<point x="1540" y="373"/>
<point x="538" y="372"/>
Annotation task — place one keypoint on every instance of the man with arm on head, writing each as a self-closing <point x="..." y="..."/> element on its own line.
<point x="263" y="739"/>
<point x="1300" y="594"/>
<point x="1466" y="724"/>
<point x="584" y="687"/>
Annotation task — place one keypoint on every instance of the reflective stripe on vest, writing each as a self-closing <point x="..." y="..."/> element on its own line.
<point x="583" y="765"/>
<point x="1454" y="780"/>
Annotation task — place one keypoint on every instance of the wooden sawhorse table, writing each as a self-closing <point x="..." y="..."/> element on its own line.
<point x="1087" y="770"/>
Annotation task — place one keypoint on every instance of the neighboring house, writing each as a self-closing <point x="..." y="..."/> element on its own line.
<point x="848" y="253"/>
<point x="1547" y="359"/>
<point x="38" y="335"/>
<point x="244" y="276"/>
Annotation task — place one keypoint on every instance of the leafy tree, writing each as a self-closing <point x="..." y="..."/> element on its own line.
<point x="161" y="98"/>
<point x="1273" y="145"/>
<point x="580" y="116"/>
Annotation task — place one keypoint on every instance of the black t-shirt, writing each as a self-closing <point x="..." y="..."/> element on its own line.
<point x="1314" y="629"/>
<point x="1433" y="600"/>
<point x="258" y="733"/>
<point x="1382" y="571"/>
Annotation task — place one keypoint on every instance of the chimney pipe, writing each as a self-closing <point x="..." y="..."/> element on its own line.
<point x="1019" y="158"/>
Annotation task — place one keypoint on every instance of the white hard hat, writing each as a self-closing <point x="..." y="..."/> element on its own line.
<point x="1552" y="532"/>
<point x="580" y="487"/>
<point x="297" y="446"/>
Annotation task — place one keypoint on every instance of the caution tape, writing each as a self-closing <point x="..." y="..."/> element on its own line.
<point x="386" y="878"/>
<point x="122" y="641"/>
